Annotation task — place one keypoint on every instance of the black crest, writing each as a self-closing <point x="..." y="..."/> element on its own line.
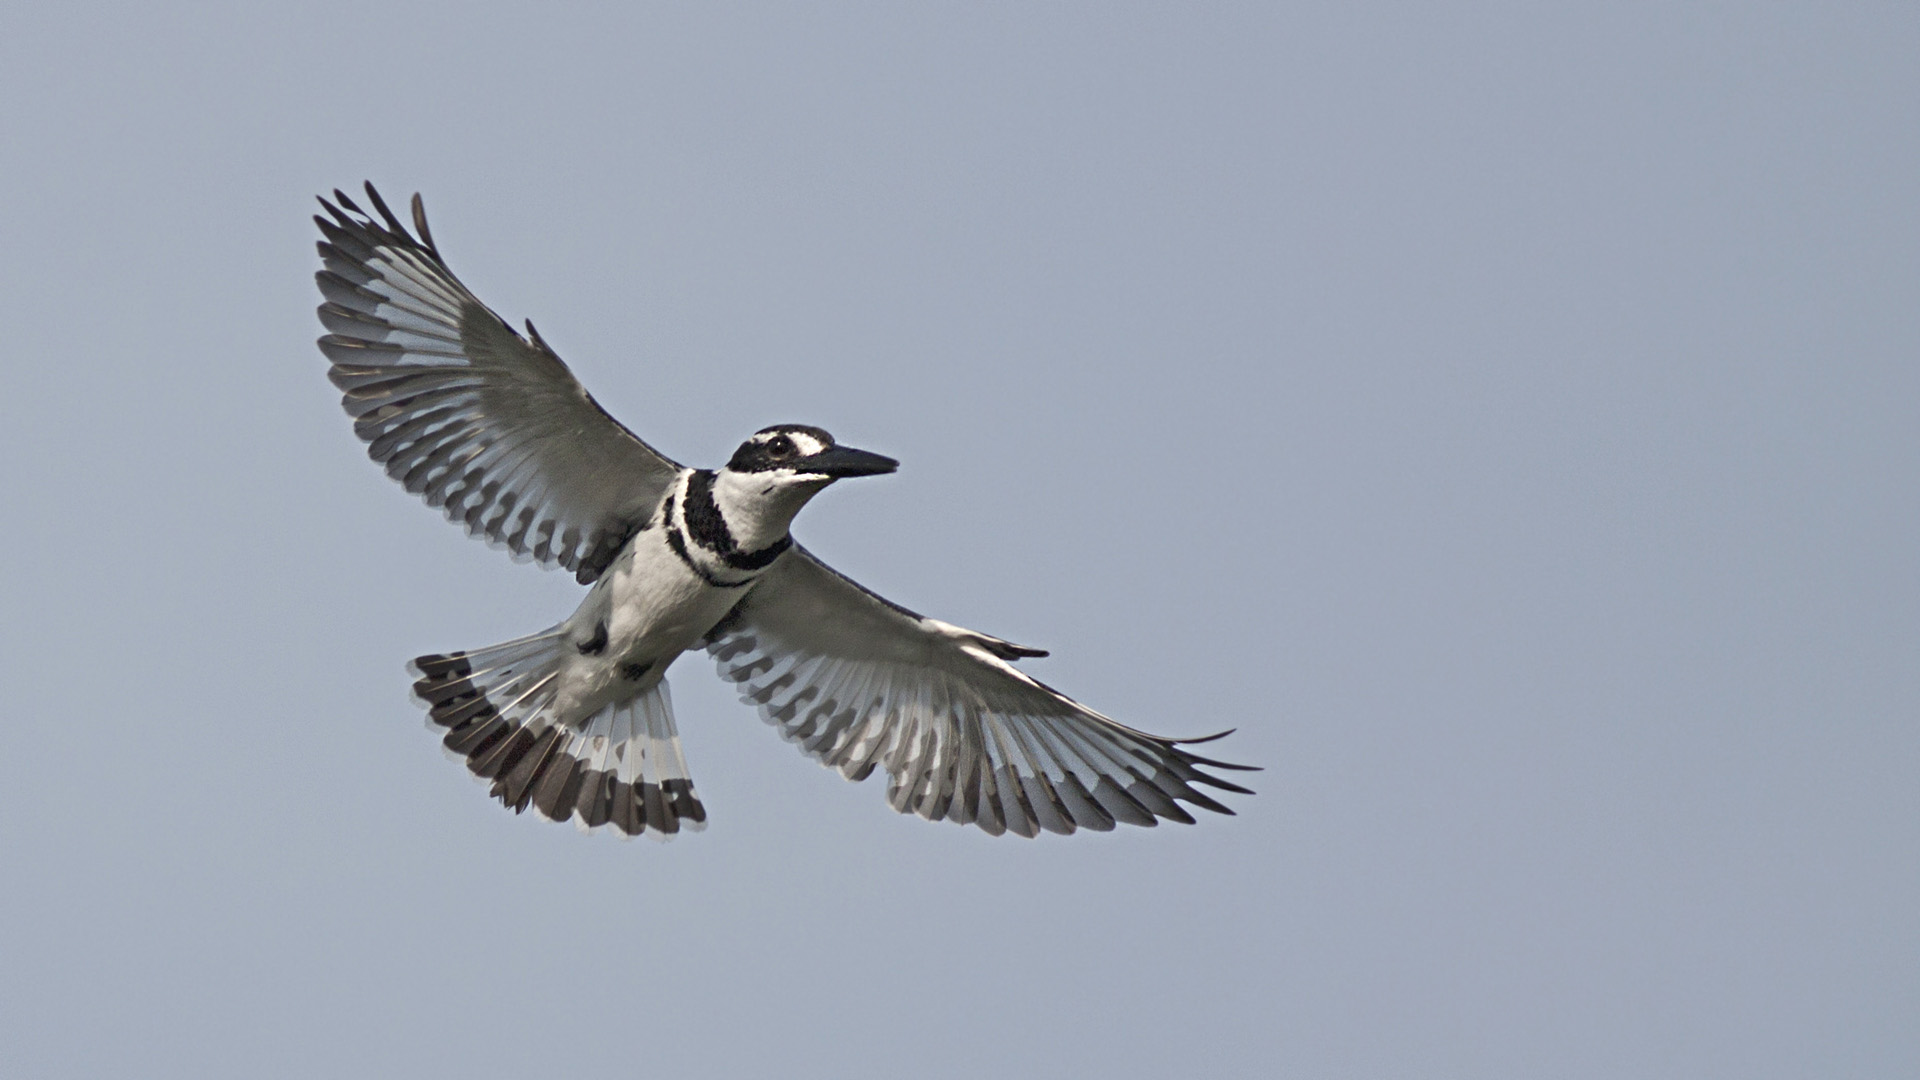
<point x="777" y="446"/>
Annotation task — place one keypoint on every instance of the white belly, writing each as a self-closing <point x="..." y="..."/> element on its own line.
<point x="653" y="608"/>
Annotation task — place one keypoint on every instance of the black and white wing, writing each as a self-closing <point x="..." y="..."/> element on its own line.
<point x="859" y="682"/>
<point x="486" y="425"/>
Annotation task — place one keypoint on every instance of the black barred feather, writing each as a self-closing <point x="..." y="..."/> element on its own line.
<point x="859" y="683"/>
<point x="486" y="425"/>
<point x="622" y="767"/>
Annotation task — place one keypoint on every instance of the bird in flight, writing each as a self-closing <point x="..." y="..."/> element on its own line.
<point x="491" y="428"/>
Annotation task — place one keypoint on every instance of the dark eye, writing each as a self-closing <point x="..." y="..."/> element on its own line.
<point x="779" y="447"/>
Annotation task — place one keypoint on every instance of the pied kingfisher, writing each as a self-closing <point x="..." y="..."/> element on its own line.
<point x="575" y="721"/>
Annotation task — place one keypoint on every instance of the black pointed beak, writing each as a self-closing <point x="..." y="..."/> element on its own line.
<point x="839" y="461"/>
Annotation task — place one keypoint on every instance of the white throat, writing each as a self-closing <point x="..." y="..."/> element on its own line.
<point x="759" y="507"/>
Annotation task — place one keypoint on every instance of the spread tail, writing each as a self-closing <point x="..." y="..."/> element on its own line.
<point x="622" y="767"/>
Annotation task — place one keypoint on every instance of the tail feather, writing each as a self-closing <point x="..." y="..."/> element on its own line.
<point x="622" y="766"/>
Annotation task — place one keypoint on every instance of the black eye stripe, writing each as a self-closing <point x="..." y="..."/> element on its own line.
<point x="774" y="447"/>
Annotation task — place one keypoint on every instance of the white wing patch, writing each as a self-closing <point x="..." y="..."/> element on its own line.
<point x="484" y="424"/>
<point x="963" y="735"/>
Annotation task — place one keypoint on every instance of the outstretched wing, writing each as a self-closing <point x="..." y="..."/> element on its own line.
<point x="859" y="682"/>
<point x="486" y="425"/>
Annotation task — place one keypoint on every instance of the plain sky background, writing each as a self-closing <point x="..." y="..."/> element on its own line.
<point x="1505" y="416"/>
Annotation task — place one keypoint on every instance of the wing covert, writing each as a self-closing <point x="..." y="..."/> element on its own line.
<point x="859" y="683"/>
<point x="486" y="425"/>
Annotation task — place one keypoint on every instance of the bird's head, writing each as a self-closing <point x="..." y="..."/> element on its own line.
<point x="775" y="472"/>
<point x="795" y="454"/>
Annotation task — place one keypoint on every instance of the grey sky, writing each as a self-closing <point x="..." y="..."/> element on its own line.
<point x="1505" y="417"/>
